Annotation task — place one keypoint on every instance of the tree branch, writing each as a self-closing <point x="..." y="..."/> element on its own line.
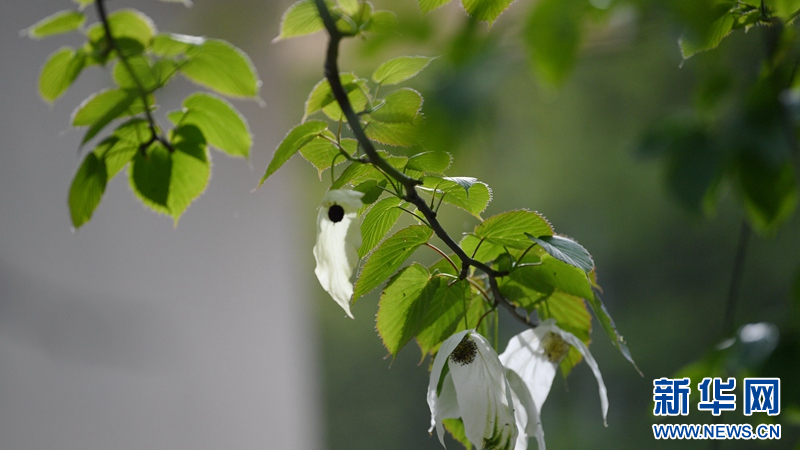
<point x="409" y="184"/>
<point x="112" y="43"/>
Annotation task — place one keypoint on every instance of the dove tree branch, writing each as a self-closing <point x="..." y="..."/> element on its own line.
<point x="409" y="184"/>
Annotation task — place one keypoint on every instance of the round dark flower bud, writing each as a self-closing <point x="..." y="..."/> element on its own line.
<point x="336" y="213"/>
<point x="465" y="351"/>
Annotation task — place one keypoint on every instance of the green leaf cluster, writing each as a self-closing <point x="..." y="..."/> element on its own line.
<point x="168" y="168"/>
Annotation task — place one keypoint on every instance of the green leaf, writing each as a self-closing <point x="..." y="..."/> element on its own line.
<point x="401" y="106"/>
<point x="87" y="189"/>
<point x="372" y="190"/>
<point x="454" y="193"/>
<point x="142" y="71"/>
<point x="565" y="250"/>
<point x="444" y="315"/>
<point x="221" y="67"/>
<point x="784" y="9"/>
<point x="394" y="134"/>
<point x="191" y="169"/>
<point x="60" y="71"/>
<point x="712" y="34"/>
<point x="431" y="162"/>
<point x="296" y="138"/>
<point x="321" y="97"/>
<point x="125" y="25"/>
<point x="400" y="69"/>
<point x="58" y="23"/>
<point x="482" y="250"/>
<point x="221" y="124"/>
<point x="552" y="273"/>
<point x="427" y="6"/>
<point x="610" y="328"/>
<point x="118" y="149"/>
<point x="456" y="426"/>
<point x="101" y="108"/>
<point x="571" y="315"/>
<point x="378" y="221"/>
<point x="553" y="37"/>
<point x="358" y="173"/>
<point x="149" y="177"/>
<point x="321" y="152"/>
<point x="170" y="45"/>
<point x="349" y="7"/>
<point x="486" y="10"/>
<point x="510" y="228"/>
<point x="518" y="289"/>
<point x="382" y="22"/>
<point x="402" y="306"/>
<point x="769" y="192"/>
<point x="389" y="256"/>
<point x="301" y="19"/>
<point x="168" y="182"/>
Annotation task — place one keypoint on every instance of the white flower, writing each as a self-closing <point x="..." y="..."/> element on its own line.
<point x="534" y="356"/>
<point x="475" y="389"/>
<point x="338" y="239"/>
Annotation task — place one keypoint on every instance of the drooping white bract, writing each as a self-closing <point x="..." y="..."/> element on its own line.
<point x="475" y="389"/>
<point x="534" y="356"/>
<point x="338" y="239"/>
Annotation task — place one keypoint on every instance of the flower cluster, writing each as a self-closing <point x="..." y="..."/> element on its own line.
<point x="500" y="398"/>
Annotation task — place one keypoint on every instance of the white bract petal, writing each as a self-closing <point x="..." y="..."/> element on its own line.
<point x="338" y="239"/>
<point x="474" y="389"/>
<point x="534" y="356"/>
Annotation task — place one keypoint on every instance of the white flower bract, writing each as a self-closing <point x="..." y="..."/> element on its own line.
<point x="475" y="389"/>
<point x="533" y="356"/>
<point x="338" y="239"/>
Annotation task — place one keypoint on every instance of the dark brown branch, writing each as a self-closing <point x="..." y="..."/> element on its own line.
<point x="112" y="44"/>
<point x="409" y="184"/>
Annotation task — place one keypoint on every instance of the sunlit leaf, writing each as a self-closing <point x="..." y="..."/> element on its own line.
<point x="394" y="134"/>
<point x="610" y="328"/>
<point x="102" y="108"/>
<point x="389" y="256"/>
<point x="292" y="143"/>
<point x="87" y="189"/>
<point x="486" y="10"/>
<point x="400" y="69"/>
<point x="401" y="106"/>
<point x="321" y="96"/>
<point x="220" y="66"/>
<point x="402" y="306"/>
<point x="300" y="19"/>
<point x="510" y="228"/>
<point x="221" y="124"/>
<point x="58" y="23"/>
<point x="565" y="250"/>
<point x="169" y="45"/>
<point x="60" y="71"/>
<point x="454" y="193"/>
<point x="378" y="221"/>
<point x="444" y="315"/>
<point x="432" y="162"/>
<point x="143" y="74"/>
<point x="429" y="5"/>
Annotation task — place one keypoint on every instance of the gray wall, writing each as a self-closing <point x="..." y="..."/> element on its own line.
<point x="129" y="334"/>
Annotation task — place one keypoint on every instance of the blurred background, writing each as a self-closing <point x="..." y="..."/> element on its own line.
<point x="131" y="334"/>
